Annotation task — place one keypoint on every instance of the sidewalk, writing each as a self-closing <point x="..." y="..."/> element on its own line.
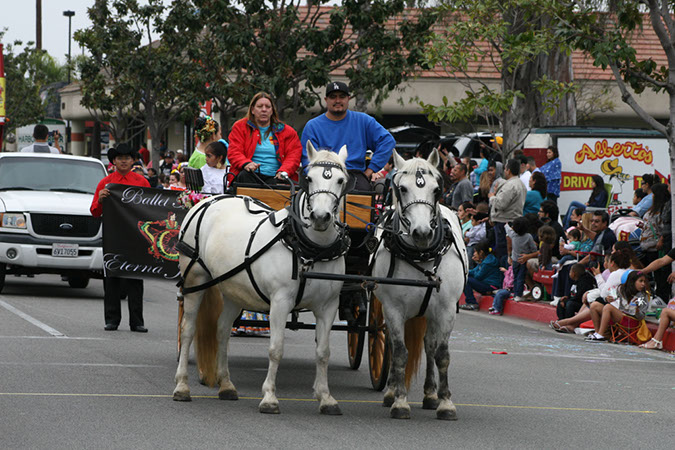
<point x="543" y="312"/>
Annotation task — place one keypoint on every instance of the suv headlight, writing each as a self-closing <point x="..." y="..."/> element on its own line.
<point x="12" y="220"/>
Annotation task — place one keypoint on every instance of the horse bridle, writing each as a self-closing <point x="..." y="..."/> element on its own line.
<point x="327" y="174"/>
<point x="420" y="182"/>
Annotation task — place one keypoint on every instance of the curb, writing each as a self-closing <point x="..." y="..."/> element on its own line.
<point x="543" y="312"/>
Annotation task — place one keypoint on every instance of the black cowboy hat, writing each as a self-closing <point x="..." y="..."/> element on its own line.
<point x="121" y="149"/>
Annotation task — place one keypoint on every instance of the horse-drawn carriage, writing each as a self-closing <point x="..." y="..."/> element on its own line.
<point x="304" y="240"/>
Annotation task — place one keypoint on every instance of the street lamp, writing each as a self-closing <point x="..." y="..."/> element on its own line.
<point x="69" y="15"/>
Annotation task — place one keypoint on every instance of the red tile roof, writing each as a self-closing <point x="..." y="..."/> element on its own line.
<point x="645" y="42"/>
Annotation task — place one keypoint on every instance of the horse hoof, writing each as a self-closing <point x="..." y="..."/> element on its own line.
<point x="228" y="395"/>
<point x="388" y="401"/>
<point x="269" y="408"/>
<point x="330" y="410"/>
<point x="182" y="397"/>
<point x="430" y="403"/>
<point x="446" y="414"/>
<point x="400" y="413"/>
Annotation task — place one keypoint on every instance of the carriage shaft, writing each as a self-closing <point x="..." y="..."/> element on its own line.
<point x="368" y="279"/>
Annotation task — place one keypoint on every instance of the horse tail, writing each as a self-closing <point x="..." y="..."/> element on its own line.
<point x="415" y="329"/>
<point x="206" y="336"/>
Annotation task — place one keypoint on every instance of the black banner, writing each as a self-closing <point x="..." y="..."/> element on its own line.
<point x="140" y="232"/>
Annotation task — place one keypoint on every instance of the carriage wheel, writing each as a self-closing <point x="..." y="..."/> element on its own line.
<point x="378" y="346"/>
<point x="180" y="321"/>
<point x="356" y="339"/>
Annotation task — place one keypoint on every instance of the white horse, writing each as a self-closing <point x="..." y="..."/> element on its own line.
<point x="426" y="242"/>
<point x="226" y="228"/>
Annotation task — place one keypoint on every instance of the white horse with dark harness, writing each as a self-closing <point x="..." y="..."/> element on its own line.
<point x="234" y="249"/>
<point x="420" y="239"/>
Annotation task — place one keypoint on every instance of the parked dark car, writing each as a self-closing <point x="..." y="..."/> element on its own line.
<point x="412" y="140"/>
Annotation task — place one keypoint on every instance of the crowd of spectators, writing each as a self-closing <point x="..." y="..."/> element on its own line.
<point x="513" y="229"/>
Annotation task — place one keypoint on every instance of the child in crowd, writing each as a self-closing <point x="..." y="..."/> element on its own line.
<point x="547" y="240"/>
<point x="573" y="245"/>
<point x="582" y="281"/>
<point x="475" y="234"/>
<point x="628" y="305"/>
<point x="503" y="294"/>
<point x="484" y="278"/>
<point x="174" y="181"/>
<point x="153" y="179"/>
<point x="521" y="243"/>
<point x="214" y="171"/>
<point x="164" y="181"/>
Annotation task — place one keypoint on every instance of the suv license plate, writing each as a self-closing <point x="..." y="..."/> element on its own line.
<point x="65" y="250"/>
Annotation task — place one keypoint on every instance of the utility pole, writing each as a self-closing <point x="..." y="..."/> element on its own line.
<point x="38" y="24"/>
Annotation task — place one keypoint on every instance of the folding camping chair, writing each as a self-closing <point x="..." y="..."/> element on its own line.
<point x="627" y="331"/>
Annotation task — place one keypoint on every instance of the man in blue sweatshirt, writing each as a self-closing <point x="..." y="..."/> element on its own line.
<point x="358" y="131"/>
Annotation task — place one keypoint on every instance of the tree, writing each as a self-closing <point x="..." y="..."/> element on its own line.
<point x="155" y="82"/>
<point x="608" y="32"/>
<point x="517" y="41"/>
<point x="27" y="72"/>
<point x="291" y="48"/>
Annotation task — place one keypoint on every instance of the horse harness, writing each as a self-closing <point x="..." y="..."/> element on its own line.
<point x="291" y="234"/>
<point x="443" y="240"/>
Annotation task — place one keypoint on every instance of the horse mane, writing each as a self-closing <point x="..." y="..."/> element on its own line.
<point x="413" y="165"/>
<point x="327" y="155"/>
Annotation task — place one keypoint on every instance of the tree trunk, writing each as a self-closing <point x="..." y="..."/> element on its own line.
<point x="529" y="112"/>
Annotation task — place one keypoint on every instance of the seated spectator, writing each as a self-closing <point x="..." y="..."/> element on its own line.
<point x="638" y="195"/>
<point x="475" y="235"/>
<point x="582" y="281"/>
<point x="573" y="245"/>
<point x="521" y="243"/>
<point x="214" y="170"/>
<point x="667" y="316"/>
<point x="617" y="262"/>
<point x="504" y="293"/>
<point x="635" y="262"/>
<point x="484" y="278"/>
<point x="597" y="199"/>
<point x="536" y="194"/>
<point x="631" y="300"/>
<point x="263" y="149"/>
<point x="648" y="180"/>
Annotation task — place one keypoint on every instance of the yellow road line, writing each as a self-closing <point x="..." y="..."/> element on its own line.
<point x="553" y="408"/>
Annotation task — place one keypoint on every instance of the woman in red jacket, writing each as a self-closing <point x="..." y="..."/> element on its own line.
<point x="261" y="144"/>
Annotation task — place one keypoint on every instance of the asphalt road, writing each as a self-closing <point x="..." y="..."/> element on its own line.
<point x="89" y="388"/>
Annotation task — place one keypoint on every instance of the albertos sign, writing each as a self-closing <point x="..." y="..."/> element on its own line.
<point x="140" y="232"/>
<point x="621" y="162"/>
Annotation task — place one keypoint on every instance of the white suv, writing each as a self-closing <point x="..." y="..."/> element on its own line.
<point x="45" y="223"/>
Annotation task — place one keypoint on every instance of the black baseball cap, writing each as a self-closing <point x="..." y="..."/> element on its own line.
<point x="336" y="86"/>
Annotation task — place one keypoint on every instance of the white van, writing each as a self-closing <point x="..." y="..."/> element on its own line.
<point x="620" y="155"/>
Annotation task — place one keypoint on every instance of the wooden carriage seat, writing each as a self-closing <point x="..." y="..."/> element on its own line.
<point x="276" y="201"/>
